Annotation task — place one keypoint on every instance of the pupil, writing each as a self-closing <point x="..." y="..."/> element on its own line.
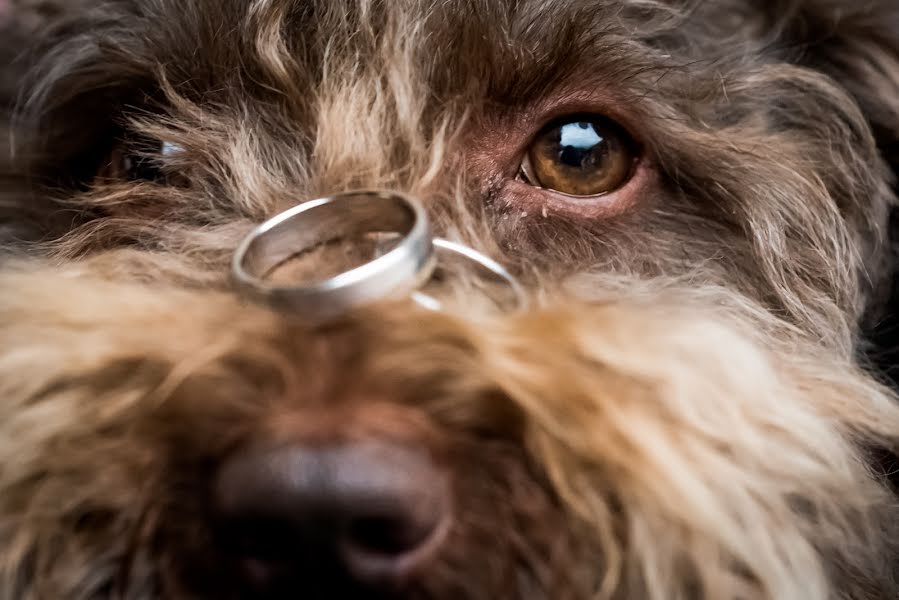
<point x="577" y="143"/>
<point x="573" y="157"/>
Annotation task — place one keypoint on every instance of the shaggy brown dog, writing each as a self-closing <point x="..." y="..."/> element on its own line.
<point x="682" y="414"/>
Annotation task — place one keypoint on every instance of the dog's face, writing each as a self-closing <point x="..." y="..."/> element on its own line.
<point x="695" y="195"/>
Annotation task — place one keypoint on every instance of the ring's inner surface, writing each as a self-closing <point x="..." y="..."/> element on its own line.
<point x="326" y="240"/>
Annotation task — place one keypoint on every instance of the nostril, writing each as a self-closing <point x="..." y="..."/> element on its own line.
<point x="371" y="512"/>
<point x="385" y="535"/>
<point x="261" y="540"/>
<point x="386" y="549"/>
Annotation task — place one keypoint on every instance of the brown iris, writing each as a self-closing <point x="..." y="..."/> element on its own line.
<point x="580" y="156"/>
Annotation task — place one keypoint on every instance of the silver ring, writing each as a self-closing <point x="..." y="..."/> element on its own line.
<point x="496" y="270"/>
<point x="304" y="227"/>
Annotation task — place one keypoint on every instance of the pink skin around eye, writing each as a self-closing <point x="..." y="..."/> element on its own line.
<point x="498" y="145"/>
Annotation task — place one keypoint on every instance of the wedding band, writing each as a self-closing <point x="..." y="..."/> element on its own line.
<point x="447" y="249"/>
<point x="397" y="272"/>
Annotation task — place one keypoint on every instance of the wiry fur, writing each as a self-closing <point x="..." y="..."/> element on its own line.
<point x="682" y="413"/>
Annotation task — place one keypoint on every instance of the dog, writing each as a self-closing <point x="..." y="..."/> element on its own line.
<point x="696" y="197"/>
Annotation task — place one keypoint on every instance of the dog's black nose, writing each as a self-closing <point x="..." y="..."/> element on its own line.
<point x="353" y="517"/>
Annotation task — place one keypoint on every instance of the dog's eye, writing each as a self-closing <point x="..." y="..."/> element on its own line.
<point x="141" y="168"/>
<point x="139" y="162"/>
<point x="580" y="156"/>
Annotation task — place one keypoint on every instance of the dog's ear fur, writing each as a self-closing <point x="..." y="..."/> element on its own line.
<point x="856" y="42"/>
<point x="25" y="25"/>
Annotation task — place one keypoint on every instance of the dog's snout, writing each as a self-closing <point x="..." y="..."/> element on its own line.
<point x="361" y="515"/>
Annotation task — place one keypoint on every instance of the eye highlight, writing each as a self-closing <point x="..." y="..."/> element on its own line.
<point x="139" y="161"/>
<point x="580" y="155"/>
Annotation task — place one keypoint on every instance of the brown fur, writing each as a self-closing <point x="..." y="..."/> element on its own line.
<point x="683" y="413"/>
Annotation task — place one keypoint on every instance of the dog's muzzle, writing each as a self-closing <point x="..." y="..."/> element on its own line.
<point x="407" y="261"/>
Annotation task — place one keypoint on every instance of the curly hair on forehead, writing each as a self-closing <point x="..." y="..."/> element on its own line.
<point x="686" y="410"/>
